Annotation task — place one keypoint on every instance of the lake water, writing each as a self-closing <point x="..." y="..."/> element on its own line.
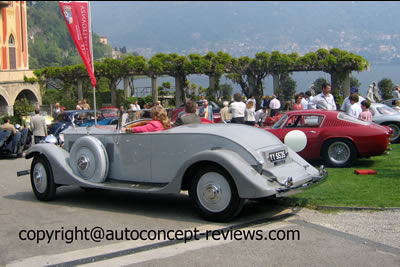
<point x="303" y="79"/>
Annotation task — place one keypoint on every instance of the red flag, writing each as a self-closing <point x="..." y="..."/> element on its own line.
<point x="76" y="15"/>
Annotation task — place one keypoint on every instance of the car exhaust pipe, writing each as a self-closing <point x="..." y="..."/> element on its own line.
<point x="24" y="172"/>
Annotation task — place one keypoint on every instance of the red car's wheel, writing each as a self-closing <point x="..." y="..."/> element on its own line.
<point x="339" y="153"/>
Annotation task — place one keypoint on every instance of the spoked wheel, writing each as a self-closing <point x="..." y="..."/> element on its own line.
<point x="215" y="195"/>
<point x="42" y="179"/>
<point x="339" y="153"/>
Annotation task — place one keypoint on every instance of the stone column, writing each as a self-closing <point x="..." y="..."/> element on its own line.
<point x="276" y="82"/>
<point x="10" y="110"/>
<point x="126" y="87"/>
<point x="154" y="89"/>
<point x="80" y="93"/>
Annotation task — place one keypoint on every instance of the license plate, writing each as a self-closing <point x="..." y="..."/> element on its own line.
<point x="279" y="155"/>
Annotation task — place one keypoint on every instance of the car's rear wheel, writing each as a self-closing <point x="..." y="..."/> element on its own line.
<point x="339" y="153"/>
<point x="214" y="193"/>
<point x="396" y="131"/>
<point x="42" y="179"/>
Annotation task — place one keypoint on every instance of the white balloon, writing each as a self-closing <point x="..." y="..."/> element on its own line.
<point x="296" y="140"/>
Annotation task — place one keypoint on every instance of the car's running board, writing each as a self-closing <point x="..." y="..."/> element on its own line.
<point x="132" y="185"/>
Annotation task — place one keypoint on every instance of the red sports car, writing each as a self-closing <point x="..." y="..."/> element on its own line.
<point x="109" y="111"/>
<point x="334" y="136"/>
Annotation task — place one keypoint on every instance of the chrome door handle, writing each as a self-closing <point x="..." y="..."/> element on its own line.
<point x="313" y="132"/>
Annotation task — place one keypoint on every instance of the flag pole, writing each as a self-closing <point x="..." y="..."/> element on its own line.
<point x="91" y="52"/>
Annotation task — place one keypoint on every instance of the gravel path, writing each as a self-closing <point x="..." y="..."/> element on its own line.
<point x="379" y="226"/>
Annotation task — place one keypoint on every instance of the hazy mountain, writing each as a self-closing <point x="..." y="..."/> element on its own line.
<point x="370" y="29"/>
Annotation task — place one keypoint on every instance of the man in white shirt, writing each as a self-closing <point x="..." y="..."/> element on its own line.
<point x="346" y="103"/>
<point x="355" y="109"/>
<point x="307" y="98"/>
<point x="325" y="99"/>
<point x="274" y="105"/>
<point x="237" y="109"/>
<point x="261" y="115"/>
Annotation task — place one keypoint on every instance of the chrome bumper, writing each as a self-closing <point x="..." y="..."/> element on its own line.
<point x="289" y="190"/>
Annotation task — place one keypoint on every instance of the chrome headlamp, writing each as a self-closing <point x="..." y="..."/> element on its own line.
<point x="51" y="139"/>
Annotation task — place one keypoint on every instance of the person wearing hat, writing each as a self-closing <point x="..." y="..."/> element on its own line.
<point x="347" y="104"/>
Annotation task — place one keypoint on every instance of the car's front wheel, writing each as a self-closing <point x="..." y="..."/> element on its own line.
<point x="214" y="193"/>
<point x="42" y="179"/>
<point x="339" y="153"/>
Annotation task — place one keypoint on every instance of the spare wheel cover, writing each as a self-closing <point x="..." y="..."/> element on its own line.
<point x="89" y="159"/>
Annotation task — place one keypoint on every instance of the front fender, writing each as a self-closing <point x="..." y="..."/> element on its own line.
<point x="59" y="162"/>
<point x="249" y="183"/>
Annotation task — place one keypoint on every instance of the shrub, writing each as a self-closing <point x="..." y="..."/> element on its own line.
<point x="129" y="100"/>
<point x="22" y="107"/>
<point x="386" y="85"/>
<point x="52" y="96"/>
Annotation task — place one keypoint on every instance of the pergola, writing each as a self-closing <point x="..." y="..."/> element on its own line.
<point x="247" y="72"/>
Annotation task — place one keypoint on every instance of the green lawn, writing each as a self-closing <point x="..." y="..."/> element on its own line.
<point x="345" y="188"/>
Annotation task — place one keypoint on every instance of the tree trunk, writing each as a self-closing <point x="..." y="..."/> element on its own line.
<point x="68" y="92"/>
<point x="347" y="84"/>
<point x="211" y="83"/>
<point x="154" y="90"/>
<point x="336" y="79"/>
<point x="80" y="93"/>
<point x="252" y="86"/>
<point x="113" y="89"/>
<point x="276" y="83"/>
<point x="179" y="93"/>
<point x="132" y="85"/>
<point x="126" y="87"/>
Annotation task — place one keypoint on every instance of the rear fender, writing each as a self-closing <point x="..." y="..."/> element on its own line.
<point x="249" y="183"/>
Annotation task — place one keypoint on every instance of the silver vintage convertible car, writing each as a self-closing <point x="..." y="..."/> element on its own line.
<point x="385" y="115"/>
<point x="220" y="165"/>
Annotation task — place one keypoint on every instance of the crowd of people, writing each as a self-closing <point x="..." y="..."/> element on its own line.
<point x="244" y="112"/>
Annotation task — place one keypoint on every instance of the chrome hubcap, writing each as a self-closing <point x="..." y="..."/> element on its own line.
<point x="211" y="193"/>
<point x="339" y="152"/>
<point x="40" y="178"/>
<point x="214" y="192"/>
<point x="83" y="163"/>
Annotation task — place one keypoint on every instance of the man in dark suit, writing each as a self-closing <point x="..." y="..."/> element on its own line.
<point x="190" y="115"/>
